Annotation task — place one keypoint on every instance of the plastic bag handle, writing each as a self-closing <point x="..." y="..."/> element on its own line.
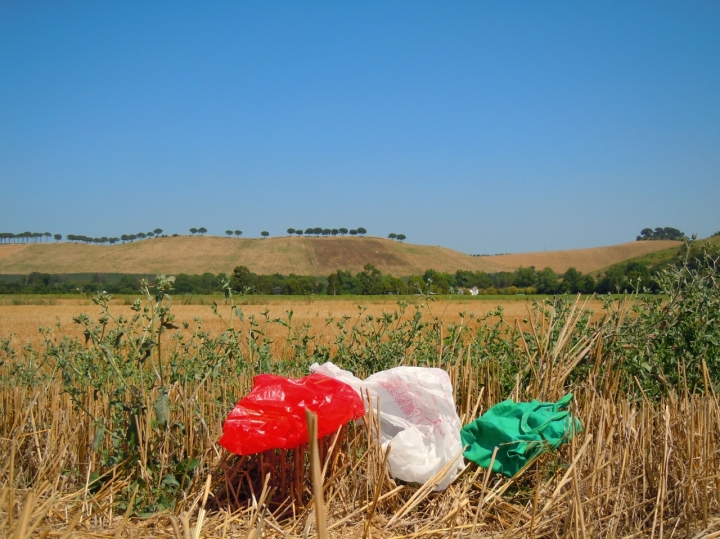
<point x="525" y="427"/>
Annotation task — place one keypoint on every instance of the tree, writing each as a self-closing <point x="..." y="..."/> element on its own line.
<point x="158" y="231"/>
<point x="291" y="231"/>
<point x="660" y="233"/>
<point x="370" y="280"/>
<point x="229" y="232"/>
<point x="47" y="235"/>
<point x="141" y="235"/>
<point x="334" y="231"/>
<point x="193" y="231"/>
<point x="309" y="231"/>
<point x="392" y="235"/>
<point x="242" y="279"/>
<point x="547" y="281"/>
<point x="401" y="237"/>
<point x="202" y="230"/>
<point x="238" y="233"/>
<point x="333" y="286"/>
<point x="361" y="231"/>
<point x="150" y="234"/>
<point x="299" y="232"/>
<point x="132" y="237"/>
<point x="571" y="281"/>
<point x="393" y="285"/>
<point x="353" y="232"/>
<point x="264" y="234"/>
<point x="326" y="231"/>
<point x="345" y="283"/>
<point x="57" y="237"/>
<point x="525" y="277"/>
<point x="317" y="231"/>
<point x="343" y="231"/>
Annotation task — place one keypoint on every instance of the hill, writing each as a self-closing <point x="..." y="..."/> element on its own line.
<point x="285" y="255"/>
<point x="659" y="258"/>
<point x="584" y="260"/>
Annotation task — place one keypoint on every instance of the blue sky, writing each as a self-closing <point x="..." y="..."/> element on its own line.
<point x="482" y="126"/>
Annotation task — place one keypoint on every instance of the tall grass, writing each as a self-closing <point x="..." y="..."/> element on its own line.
<point x="118" y="431"/>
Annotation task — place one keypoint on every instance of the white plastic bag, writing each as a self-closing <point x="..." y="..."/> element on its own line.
<point x="417" y="418"/>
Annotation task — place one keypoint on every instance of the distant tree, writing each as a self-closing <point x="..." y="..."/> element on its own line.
<point x="104" y="240"/>
<point x="132" y="237"/>
<point x="150" y="234"/>
<point x="309" y="231"/>
<point x="113" y="240"/>
<point x="193" y="231"/>
<point x="525" y="277"/>
<point x="343" y="231"/>
<point x="361" y="231"/>
<point x="547" y="281"/>
<point x="141" y="235"/>
<point x="158" y="231"/>
<point x="202" y="230"/>
<point x="229" y="232"/>
<point x="353" y="232"/>
<point x="298" y="232"/>
<point x="238" y="233"/>
<point x="333" y="286"/>
<point x="370" y="280"/>
<point x="317" y="231"/>
<point x="291" y="231"/>
<point x="264" y="234"/>
<point x="326" y="231"/>
<point x="124" y="238"/>
<point x="572" y="281"/>
<point x="47" y="235"/>
<point x="401" y="237"/>
<point x="660" y="233"/>
<point x="334" y="231"/>
<point x="392" y="235"/>
<point x="57" y="237"/>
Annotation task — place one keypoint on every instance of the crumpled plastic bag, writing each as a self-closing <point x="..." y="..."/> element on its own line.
<point x="521" y="431"/>
<point x="272" y="416"/>
<point x="417" y="419"/>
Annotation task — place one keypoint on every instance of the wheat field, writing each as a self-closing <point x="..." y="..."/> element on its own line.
<point x="640" y="468"/>
<point x="23" y="322"/>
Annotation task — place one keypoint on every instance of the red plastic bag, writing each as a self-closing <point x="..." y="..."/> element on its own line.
<point x="273" y="414"/>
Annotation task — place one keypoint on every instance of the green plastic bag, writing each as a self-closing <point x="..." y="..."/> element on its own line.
<point x="521" y="431"/>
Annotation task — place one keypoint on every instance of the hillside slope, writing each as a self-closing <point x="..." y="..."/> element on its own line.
<point x="665" y="256"/>
<point x="285" y="255"/>
<point x="584" y="260"/>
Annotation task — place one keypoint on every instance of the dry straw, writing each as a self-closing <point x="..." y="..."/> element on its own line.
<point x="647" y="468"/>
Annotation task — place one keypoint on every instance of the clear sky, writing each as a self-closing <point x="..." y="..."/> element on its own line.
<point x="482" y="126"/>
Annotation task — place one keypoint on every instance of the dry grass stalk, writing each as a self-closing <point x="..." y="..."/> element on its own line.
<point x="638" y="469"/>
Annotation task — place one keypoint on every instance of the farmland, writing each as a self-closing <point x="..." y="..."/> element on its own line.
<point x="111" y="420"/>
<point x="22" y="316"/>
<point x="301" y="256"/>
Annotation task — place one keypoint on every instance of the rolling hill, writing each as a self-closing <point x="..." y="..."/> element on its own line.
<point x="302" y="256"/>
<point x="659" y="258"/>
